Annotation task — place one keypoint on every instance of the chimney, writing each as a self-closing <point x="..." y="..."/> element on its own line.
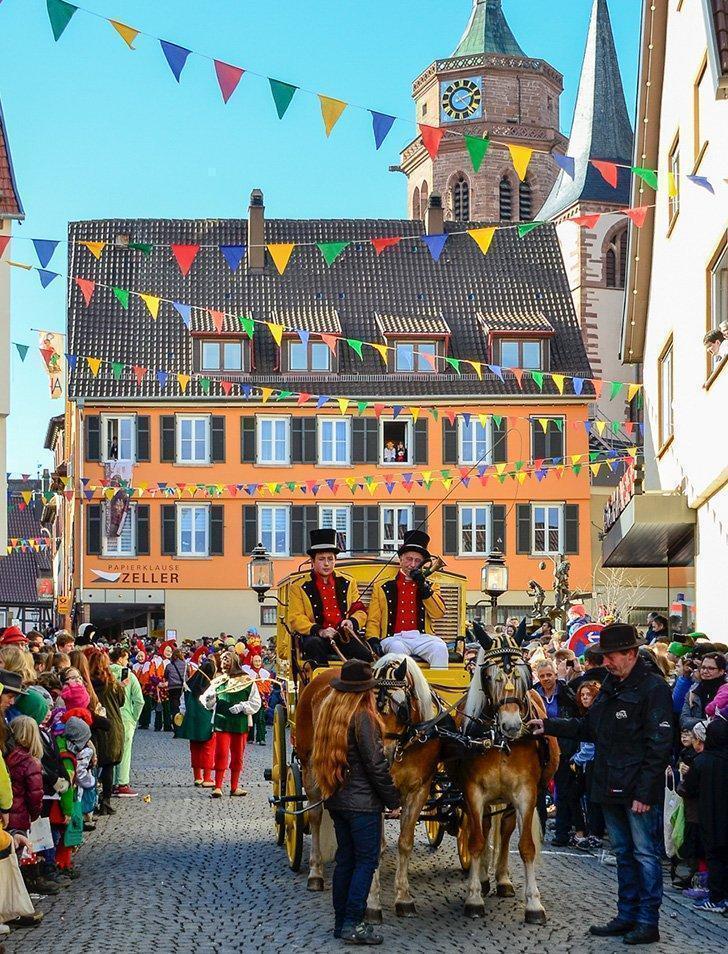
<point x="256" y="231"/>
<point x="434" y="215"/>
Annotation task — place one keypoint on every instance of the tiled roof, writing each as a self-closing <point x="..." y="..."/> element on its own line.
<point x="488" y="32"/>
<point x="521" y="275"/>
<point x="417" y="324"/>
<point x="10" y="204"/>
<point x="720" y="20"/>
<point x="19" y="571"/>
<point x="312" y="318"/>
<point x="515" y="321"/>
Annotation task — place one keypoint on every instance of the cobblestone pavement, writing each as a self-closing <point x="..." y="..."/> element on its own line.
<point x="183" y="873"/>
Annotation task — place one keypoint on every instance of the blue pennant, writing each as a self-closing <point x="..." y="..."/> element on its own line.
<point x="46" y="277"/>
<point x="176" y="57"/>
<point x="44" y="249"/>
<point x="566" y="163"/>
<point x="435" y="243"/>
<point x="233" y="255"/>
<point x="381" y="124"/>
<point x="184" y="311"/>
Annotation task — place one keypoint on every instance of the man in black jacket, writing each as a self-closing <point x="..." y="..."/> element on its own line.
<point x="630" y="724"/>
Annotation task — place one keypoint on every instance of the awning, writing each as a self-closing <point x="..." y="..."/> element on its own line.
<point x="653" y="530"/>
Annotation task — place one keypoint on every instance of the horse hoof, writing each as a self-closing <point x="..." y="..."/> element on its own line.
<point x="315" y="883"/>
<point x="373" y="916"/>
<point x="474" y="910"/>
<point x="485" y="887"/>
<point x="405" y="909"/>
<point x="536" y="917"/>
<point x="505" y="891"/>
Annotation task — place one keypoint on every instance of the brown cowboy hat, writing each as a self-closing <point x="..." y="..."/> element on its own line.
<point x="618" y="637"/>
<point x="356" y="676"/>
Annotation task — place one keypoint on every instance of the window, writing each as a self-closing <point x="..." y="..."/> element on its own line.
<point x="520" y="353"/>
<point x="411" y="356"/>
<point x="268" y="615"/>
<point x="395" y="442"/>
<point x="274" y="529"/>
<point x="506" y="200"/>
<point x="701" y="100"/>
<point x="339" y="519"/>
<point x="396" y="521"/>
<point x="475" y="441"/>
<point x="525" y="202"/>
<point x="547" y="528"/>
<point x="416" y="204"/>
<point x="334" y="440"/>
<point x="424" y="197"/>
<point x="547" y="438"/>
<point x="311" y="356"/>
<point x="461" y="199"/>
<point x="118" y="437"/>
<point x="673" y="167"/>
<point x="474" y="530"/>
<point x="193" y="439"/>
<point x="664" y="415"/>
<point x="221" y="355"/>
<point x="615" y="260"/>
<point x="719" y="289"/>
<point x="193" y="530"/>
<point x="124" y="544"/>
<point x="274" y="440"/>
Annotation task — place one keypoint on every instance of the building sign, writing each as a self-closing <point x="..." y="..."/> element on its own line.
<point x="44" y="588"/>
<point x="52" y="348"/>
<point x="138" y="574"/>
<point x="623" y="493"/>
<point x="63" y="605"/>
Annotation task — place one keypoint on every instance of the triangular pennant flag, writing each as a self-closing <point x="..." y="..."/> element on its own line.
<point x="517" y="374"/>
<point x="355" y="345"/>
<point x="331" y="342"/>
<point x="343" y="404"/>
<point x="397" y="410"/>
<point x="648" y="176"/>
<point x="527" y="227"/>
<point x="477" y="148"/>
<point x="228" y="78"/>
<point x="454" y="363"/>
<point x="282" y="95"/>
<point x="4" y="239"/>
<point x="331" y="110"/>
<point x="586" y="221"/>
<point x="94" y="364"/>
<point x="22" y="350"/>
<point x="331" y="250"/>
<point x="226" y="387"/>
<point x="139" y="373"/>
<point x="96" y="248"/>
<point x="482" y="237"/>
<point x="478" y="368"/>
<point x="323" y="399"/>
<point x="117" y="367"/>
<point x="265" y="394"/>
<point x="435" y="243"/>
<point x="144" y="247"/>
<point x="381" y="124"/>
<point x="176" y="56"/>
<point x="184" y="311"/>
<point x="544" y="422"/>
<point x="218" y="318"/>
<point x="597" y="385"/>
<point x="127" y="33"/>
<point x="520" y="157"/>
<point x="496" y="370"/>
<point x="303" y="397"/>
<point x="381" y="243"/>
<point x="431" y="359"/>
<point x="280" y="252"/>
<point x="415" y="412"/>
<point x="702" y="182"/>
<point x="303" y="335"/>
<point x="185" y="256"/>
<point x="122" y="296"/>
<point x="616" y="387"/>
<point x="44" y="249"/>
<point x="87" y="287"/>
<point x="538" y="378"/>
<point x="205" y="385"/>
<point x="607" y="170"/>
<point x="162" y="377"/>
<point x="578" y="385"/>
<point x="233" y="255"/>
<point x="431" y="138"/>
<point x="558" y="380"/>
<point x="59" y="13"/>
<point x="152" y="303"/>
<point x="248" y="326"/>
<point x="672" y="188"/>
<point x="566" y="163"/>
<point x="631" y="391"/>
<point x="383" y="351"/>
<point x="46" y="277"/>
<point x="637" y="216"/>
<point x="71" y="361"/>
<point x="276" y="331"/>
<point x="378" y="409"/>
<point x="183" y="380"/>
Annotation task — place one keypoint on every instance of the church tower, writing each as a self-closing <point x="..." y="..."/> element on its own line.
<point x="488" y="87"/>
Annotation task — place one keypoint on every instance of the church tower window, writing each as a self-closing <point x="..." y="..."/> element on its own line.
<point x="506" y="200"/>
<point x="525" y="202"/>
<point x="416" y="204"/>
<point x="424" y="198"/>
<point x="461" y="198"/>
<point x="615" y="259"/>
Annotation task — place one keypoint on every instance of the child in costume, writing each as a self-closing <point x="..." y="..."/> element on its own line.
<point x="196" y="724"/>
<point x="263" y="681"/>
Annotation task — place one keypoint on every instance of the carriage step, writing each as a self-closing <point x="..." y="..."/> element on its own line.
<point x="268" y="775"/>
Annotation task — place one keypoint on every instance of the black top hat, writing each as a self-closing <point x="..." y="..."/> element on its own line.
<point x="11" y="682"/>
<point x="356" y="676"/>
<point x="323" y="541"/>
<point x="416" y="540"/>
<point x="616" y="637"/>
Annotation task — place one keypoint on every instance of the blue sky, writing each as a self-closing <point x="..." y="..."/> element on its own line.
<point x="97" y="131"/>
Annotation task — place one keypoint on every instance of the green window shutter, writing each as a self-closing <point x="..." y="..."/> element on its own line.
<point x="571" y="528"/>
<point x="92" y="424"/>
<point x="93" y="529"/>
<point x="450" y="529"/>
<point x="523" y="528"/>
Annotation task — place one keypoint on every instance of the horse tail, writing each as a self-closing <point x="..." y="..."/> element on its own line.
<point x="327" y="838"/>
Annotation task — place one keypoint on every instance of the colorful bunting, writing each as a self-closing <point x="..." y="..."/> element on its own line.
<point x="184" y="311"/>
<point x="218" y="318"/>
<point x="93" y="365"/>
<point x="331" y="342"/>
<point x="381" y="125"/>
<point x="127" y="33"/>
<point x="59" y="14"/>
<point x="87" y="287"/>
<point x="477" y="149"/>
<point x="520" y="157"/>
<point x="22" y="350"/>
<point x="483" y="237"/>
<point x="96" y="248"/>
<point x="277" y="332"/>
<point x="228" y="78"/>
<point x="282" y="95"/>
<point x="380" y="244"/>
<point x="122" y="296"/>
<point x="281" y="252"/>
<point x="332" y="250"/>
<point x="566" y="163"/>
<point x="702" y="182"/>
<point x="117" y="368"/>
<point x="435" y="243"/>
<point x="648" y="176"/>
<point x="355" y="345"/>
<point x="607" y="170"/>
<point x="586" y="221"/>
<point x="152" y="303"/>
<point x="331" y="110"/>
<point x="176" y="57"/>
<point x="248" y="326"/>
<point x="233" y="255"/>
<point x="525" y="227"/>
<point x="637" y="216"/>
<point x="46" y="277"/>
<point x="431" y="138"/>
<point x="185" y="256"/>
<point x="44" y="249"/>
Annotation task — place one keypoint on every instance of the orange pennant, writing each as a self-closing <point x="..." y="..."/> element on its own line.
<point x="96" y="248"/>
<point x="127" y="33"/>
<point x="331" y="110"/>
<point x="281" y="252"/>
<point x="276" y="331"/>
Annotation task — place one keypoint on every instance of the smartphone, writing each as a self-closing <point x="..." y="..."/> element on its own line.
<point x="124" y="673"/>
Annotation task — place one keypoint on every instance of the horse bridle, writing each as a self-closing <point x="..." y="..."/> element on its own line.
<point x="506" y="658"/>
<point x="401" y="710"/>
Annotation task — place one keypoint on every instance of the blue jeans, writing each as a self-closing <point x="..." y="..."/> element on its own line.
<point x="637" y="843"/>
<point x="359" y="841"/>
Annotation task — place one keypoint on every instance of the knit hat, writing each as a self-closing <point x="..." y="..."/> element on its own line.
<point x="13" y="636"/>
<point x="75" y="695"/>
<point x="77" y="733"/>
<point x="83" y="714"/>
<point x="699" y="731"/>
<point x="33" y="704"/>
<point x="678" y="649"/>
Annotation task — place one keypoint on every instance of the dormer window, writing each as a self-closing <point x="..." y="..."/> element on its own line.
<point x="521" y="353"/>
<point x="309" y="356"/>
<point x="218" y="355"/>
<point x="413" y="356"/>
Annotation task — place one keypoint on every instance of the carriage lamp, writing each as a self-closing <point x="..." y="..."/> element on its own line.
<point x="260" y="571"/>
<point x="494" y="581"/>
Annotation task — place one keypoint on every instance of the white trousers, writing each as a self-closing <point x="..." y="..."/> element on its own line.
<point x="413" y="643"/>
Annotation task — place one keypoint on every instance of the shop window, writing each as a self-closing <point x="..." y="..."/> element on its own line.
<point x="396" y="442"/>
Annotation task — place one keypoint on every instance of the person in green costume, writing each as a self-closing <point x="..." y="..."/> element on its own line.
<point x="196" y="724"/>
<point x="131" y="710"/>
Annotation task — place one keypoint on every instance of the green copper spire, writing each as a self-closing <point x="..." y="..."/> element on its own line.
<point x="488" y="32"/>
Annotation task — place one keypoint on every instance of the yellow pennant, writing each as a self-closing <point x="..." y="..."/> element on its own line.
<point x="350" y="482"/>
<point x="265" y="393"/>
<point x="372" y="487"/>
<point x="632" y="390"/>
<point x="595" y="468"/>
<point x="632" y="451"/>
<point x="558" y="380"/>
<point x="671" y="185"/>
<point x="183" y="380"/>
<point x="96" y="248"/>
<point x="94" y="364"/>
<point x="142" y="487"/>
<point x="109" y="492"/>
<point x="415" y="412"/>
<point x="26" y="495"/>
<point x="521" y="476"/>
<point x="575" y="458"/>
<point x="500" y="469"/>
<point x="544" y="422"/>
<point x="427" y="476"/>
<point x="600" y="425"/>
<point x="483" y="418"/>
<point x="271" y="488"/>
<point x="276" y="331"/>
<point x="478" y="368"/>
<point x="447" y="482"/>
<point x="127" y="33"/>
<point x="152" y="303"/>
<point x="520" y="157"/>
<point x="383" y="350"/>
<point x="280" y="252"/>
<point x="482" y="237"/>
<point x="343" y="404"/>
<point x="331" y="110"/>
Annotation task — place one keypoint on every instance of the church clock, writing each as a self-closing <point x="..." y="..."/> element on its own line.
<point x="461" y="99"/>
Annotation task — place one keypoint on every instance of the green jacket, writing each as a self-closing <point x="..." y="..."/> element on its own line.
<point x="133" y="697"/>
<point x="197" y="722"/>
<point x="226" y="693"/>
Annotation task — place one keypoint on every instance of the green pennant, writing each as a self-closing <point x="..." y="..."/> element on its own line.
<point x="616" y="427"/>
<point x="205" y="385"/>
<point x="615" y="388"/>
<point x="576" y="468"/>
<point x="640" y="399"/>
<point x="454" y="363"/>
<point x="527" y="227"/>
<point x="593" y="456"/>
<point x="284" y="395"/>
<point x="362" y="406"/>
<point x="122" y="296"/>
<point x="117" y="367"/>
<point x="445" y="473"/>
<point x="501" y="478"/>
<point x="291" y="486"/>
<point x="477" y="148"/>
<point x="248" y="326"/>
<point x="355" y="345"/>
<point x="538" y="378"/>
<point x="48" y="495"/>
<point x="648" y="176"/>
<point x="559" y="422"/>
<point x="59" y="13"/>
<point x="368" y="480"/>
<point x="332" y="250"/>
<point x="435" y="413"/>
<point x="283" y="93"/>
<point x="144" y="247"/>
<point x="22" y="350"/>
<point x="519" y="464"/>
<point x="497" y="418"/>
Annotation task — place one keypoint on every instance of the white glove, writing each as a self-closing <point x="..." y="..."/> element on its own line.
<point x="237" y="708"/>
<point x="182" y="706"/>
<point x="61" y="785"/>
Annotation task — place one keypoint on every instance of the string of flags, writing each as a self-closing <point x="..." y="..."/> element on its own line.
<point x="20" y="545"/>
<point x="228" y="77"/>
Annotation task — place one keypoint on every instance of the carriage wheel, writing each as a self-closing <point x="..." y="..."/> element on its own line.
<point x="278" y="770"/>
<point x="435" y="829"/>
<point x="294" y="824"/>
<point x="463" y="837"/>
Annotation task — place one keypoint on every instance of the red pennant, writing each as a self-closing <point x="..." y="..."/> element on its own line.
<point x="629" y="427"/>
<point x="226" y="386"/>
<point x="87" y="288"/>
<point x="607" y="170"/>
<point x="538" y="463"/>
<point x="217" y="319"/>
<point x="464" y="471"/>
<point x="637" y="216"/>
<point x="597" y="386"/>
<point x="47" y="353"/>
<point x="408" y="487"/>
<point x="450" y="415"/>
<point x="139" y="373"/>
<point x="185" y="255"/>
<point x="378" y="408"/>
<point x="232" y="489"/>
<point x="303" y="397"/>
<point x="588" y="221"/>
<point x="432" y="137"/>
<point x="517" y="374"/>
<point x="4" y="239"/>
<point x="228" y="77"/>
<point x="331" y="342"/>
<point x="379" y="244"/>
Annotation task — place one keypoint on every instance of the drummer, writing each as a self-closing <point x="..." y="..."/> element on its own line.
<point x="325" y="607"/>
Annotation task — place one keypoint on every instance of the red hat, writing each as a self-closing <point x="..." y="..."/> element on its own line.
<point x="13" y="636"/>
<point x="140" y="646"/>
<point x="172" y="643"/>
<point x="198" y="654"/>
<point x="78" y="714"/>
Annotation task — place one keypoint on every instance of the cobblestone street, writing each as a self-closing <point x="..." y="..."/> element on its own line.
<point x="182" y="873"/>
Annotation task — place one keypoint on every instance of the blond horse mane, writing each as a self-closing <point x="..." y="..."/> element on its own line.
<point x="419" y="683"/>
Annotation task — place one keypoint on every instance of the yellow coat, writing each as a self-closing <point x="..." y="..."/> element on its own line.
<point x="383" y="610"/>
<point x="6" y="789"/>
<point x="305" y="608"/>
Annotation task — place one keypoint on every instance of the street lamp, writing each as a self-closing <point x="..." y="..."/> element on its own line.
<point x="260" y="571"/>
<point x="494" y="581"/>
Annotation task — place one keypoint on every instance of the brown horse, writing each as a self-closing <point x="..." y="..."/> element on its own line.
<point x="498" y="704"/>
<point x="404" y="700"/>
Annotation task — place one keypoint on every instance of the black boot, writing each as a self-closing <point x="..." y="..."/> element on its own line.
<point x="643" y="934"/>
<point x="105" y="808"/>
<point x="613" y="928"/>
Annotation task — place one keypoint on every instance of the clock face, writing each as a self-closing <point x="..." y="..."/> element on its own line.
<point x="461" y="99"/>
